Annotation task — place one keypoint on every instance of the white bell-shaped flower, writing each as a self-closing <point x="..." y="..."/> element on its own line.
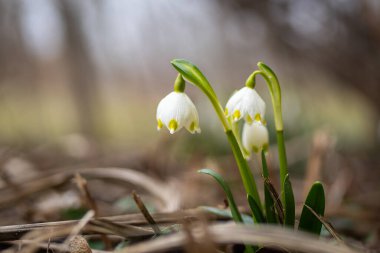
<point x="175" y="111"/>
<point x="255" y="137"/>
<point x="247" y="104"/>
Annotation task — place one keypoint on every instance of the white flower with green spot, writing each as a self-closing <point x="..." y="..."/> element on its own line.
<point x="255" y="137"/>
<point x="247" y="104"/>
<point x="175" y="111"/>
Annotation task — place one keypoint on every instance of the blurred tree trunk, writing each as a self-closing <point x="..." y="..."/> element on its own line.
<point x="82" y="72"/>
<point x="15" y="62"/>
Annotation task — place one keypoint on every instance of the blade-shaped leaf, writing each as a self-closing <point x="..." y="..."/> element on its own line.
<point x="316" y="201"/>
<point x="234" y="211"/>
<point x="256" y="210"/>
<point x="289" y="203"/>
<point x="231" y="202"/>
<point x="276" y="200"/>
<point x="269" y="203"/>
<point x="265" y="165"/>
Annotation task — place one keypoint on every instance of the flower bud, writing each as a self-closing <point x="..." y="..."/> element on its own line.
<point x="255" y="137"/>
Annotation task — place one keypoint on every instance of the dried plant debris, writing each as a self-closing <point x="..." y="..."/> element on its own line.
<point x="231" y="233"/>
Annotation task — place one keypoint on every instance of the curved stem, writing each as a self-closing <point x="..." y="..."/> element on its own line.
<point x="251" y="80"/>
<point x="179" y="84"/>
<point x="275" y="92"/>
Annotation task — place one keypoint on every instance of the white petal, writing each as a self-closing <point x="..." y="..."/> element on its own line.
<point x="255" y="136"/>
<point x="245" y="103"/>
<point x="177" y="106"/>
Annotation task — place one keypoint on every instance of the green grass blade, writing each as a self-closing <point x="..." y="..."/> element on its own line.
<point x="316" y="201"/>
<point x="269" y="203"/>
<point x="231" y="202"/>
<point x="289" y="204"/>
<point x="256" y="210"/>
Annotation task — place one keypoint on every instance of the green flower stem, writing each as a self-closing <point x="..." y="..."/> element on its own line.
<point x="282" y="157"/>
<point x="251" y="80"/>
<point x="235" y="130"/>
<point x="191" y="73"/>
<point x="245" y="173"/>
<point x="275" y="92"/>
<point x="219" y="111"/>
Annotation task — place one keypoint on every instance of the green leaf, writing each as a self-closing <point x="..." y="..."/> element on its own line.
<point x="269" y="204"/>
<point x="191" y="73"/>
<point x="316" y="201"/>
<point x="289" y="203"/>
<point x="231" y="202"/>
<point x="256" y="210"/>
<point x="268" y="186"/>
<point x="265" y="165"/>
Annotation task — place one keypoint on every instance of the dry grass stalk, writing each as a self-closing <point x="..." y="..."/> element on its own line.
<point x="83" y="188"/>
<point x="128" y="221"/>
<point x="140" y="204"/>
<point x="227" y="233"/>
<point x="167" y="194"/>
<point x="78" y="227"/>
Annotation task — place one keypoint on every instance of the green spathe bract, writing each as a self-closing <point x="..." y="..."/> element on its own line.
<point x="191" y="73"/>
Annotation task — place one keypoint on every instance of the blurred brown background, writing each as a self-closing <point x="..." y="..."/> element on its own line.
<point x="100" y="67"/>
<point x="80" y="81"/>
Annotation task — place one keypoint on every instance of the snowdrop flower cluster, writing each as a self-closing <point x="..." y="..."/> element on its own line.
<point x="176" y="111"/>
<point x="248" y="105"/>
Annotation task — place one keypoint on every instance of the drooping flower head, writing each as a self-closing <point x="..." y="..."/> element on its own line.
<point x="255" y="137"/>
<point x="176" y="110"/>
<point x="247" y="104"/>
